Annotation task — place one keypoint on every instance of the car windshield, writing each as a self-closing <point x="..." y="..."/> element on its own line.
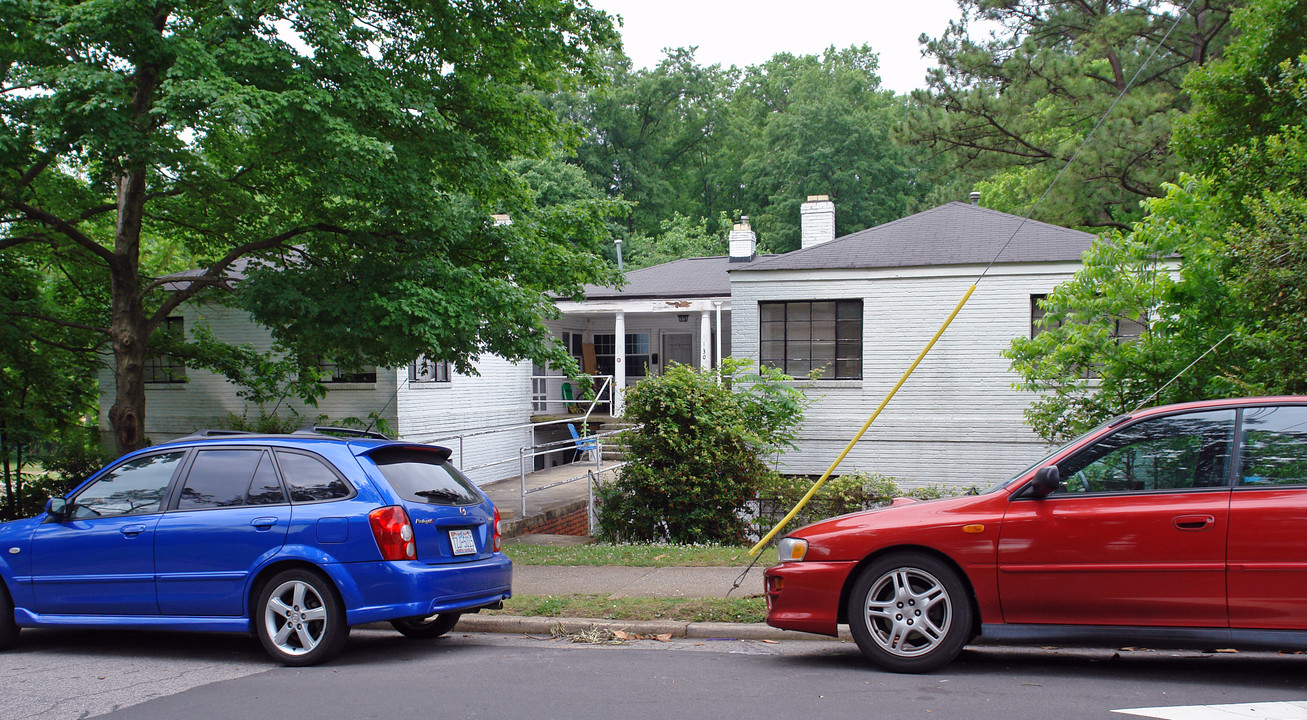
<point x="1022" y="472"/>
<point x="420" y="476"/>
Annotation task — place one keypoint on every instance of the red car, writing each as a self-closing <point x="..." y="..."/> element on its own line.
<point x="1176" y="526"/>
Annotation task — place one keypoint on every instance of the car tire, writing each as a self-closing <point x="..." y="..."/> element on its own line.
<point x="428" y="627"/>
<point x="299" y="618"/>
<point x="910" y="613"/>
<point x="8" y="627"/>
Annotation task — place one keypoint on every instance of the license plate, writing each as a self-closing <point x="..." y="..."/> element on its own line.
<point x="462" y="542"/>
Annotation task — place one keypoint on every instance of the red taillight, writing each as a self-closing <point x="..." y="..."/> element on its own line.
<point x="393" y="532"/>
<point x="496" y="544"/>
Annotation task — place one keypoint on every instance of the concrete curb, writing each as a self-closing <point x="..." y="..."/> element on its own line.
<point x="529" y="625"/>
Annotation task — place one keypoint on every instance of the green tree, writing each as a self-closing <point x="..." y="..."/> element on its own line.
<point x="647" y="135"/>
<point x="45" y="383"/>
<point x="1235" y="308"/>
<point x="1004" y="114"/>
<point x="697" y="458"/>
<point x="686" y="141"/>
<point x="680" y="237"/>
<point x="342" y="157"/>
<point x="1248" y="126"/>
<point x="820" y="125"/>
<point x="1083" y="368"/>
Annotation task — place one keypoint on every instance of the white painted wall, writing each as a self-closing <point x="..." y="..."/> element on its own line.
<point x="496" y="405"/>
<point x="957" y="421"/>
<point x="498" y="398"/>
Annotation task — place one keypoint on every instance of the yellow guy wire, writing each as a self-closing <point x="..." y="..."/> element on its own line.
<point x="826" y="476"/>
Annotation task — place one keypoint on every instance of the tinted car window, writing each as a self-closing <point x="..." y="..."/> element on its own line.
<point x="1168" y="453"/>
<point x="309" y="479"/>
<point x="219" y="478"/>
<point x="133" y="488"/>
<point x="420" y="476"/>
<point x="265" y="488"/>
<point x="1274" y="446"/>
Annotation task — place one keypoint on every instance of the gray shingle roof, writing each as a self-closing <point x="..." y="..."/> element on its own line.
<point x="956" y="233"/>
<point x="688" y="277"/>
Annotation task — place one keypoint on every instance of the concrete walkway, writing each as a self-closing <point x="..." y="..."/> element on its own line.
<point x="550" y="493"/>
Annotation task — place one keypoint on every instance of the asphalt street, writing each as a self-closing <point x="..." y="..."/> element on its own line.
<point x="65" y="675"/>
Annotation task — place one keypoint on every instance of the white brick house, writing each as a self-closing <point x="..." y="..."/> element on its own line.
<point x="881" y="294"/>
<point x="423" y="406"/>
<point x="885" y="291"/>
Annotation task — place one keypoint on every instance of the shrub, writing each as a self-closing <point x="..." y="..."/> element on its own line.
<point x="852" y="492"/>
<point x="64" y="462"/>
<point x="696" y="462"/>
<point x="282" y="424"/>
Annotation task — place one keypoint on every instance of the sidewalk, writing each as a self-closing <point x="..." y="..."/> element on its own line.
<point x="631" y="582"/>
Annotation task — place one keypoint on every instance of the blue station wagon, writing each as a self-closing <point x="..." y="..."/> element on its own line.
<point x="294" y="538"/>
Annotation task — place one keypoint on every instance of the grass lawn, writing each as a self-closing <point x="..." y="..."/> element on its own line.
<point x="657" y="555"/>
<point x="744" y="609"/>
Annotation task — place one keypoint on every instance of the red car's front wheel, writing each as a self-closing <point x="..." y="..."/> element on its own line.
<point x="910" y="612"/>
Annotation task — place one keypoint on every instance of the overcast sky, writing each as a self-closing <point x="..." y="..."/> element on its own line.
<point x="736" y="32"/>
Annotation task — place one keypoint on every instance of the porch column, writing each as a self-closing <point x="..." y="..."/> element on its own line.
<point x="619" y="364"/>
<point x="717" y="307"/>
<point x="705" y="338"/>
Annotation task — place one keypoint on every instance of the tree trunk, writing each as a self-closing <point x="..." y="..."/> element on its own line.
<point x="11" y="500"/>
<point x="129" y="330"/>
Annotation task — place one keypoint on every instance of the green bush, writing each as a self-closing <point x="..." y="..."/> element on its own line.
<point x="280" y="425"/>
<point x="696" y="462"/>
<point x="843" y="494"/>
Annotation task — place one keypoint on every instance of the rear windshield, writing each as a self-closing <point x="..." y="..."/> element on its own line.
<point x="420" y="476"/>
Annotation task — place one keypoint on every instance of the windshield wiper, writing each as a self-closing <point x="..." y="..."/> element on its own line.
<point x="441" y="493"/>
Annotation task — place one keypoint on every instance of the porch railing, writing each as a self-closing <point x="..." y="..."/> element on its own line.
<point x="551" y="393"/>
<point x="593" y="475"/>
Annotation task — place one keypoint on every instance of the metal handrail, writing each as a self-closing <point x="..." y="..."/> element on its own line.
<point x="598" y="398"/>
<point x="436" y="439"/>
<point x="537" y="450"/>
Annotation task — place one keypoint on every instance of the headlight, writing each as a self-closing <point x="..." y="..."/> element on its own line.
<point x="792" y="549"/>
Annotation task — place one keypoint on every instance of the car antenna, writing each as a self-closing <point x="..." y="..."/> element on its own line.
<point x="1182" y="372"/>
<point x="375" y="415"/>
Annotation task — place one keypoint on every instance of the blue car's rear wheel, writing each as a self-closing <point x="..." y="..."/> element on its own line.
<point x="299" y="618"/>
<point x="426" y="628"/>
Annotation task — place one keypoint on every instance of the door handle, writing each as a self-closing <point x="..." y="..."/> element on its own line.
<point x="132" y="530"/>
<point x="1194" y="522"/>
<point x="263" y="523"/>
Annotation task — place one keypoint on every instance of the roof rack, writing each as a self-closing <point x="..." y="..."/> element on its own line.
<point x="338" y="430"/>
<point x="215" y="432"/>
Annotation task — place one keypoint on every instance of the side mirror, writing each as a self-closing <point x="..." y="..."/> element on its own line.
<point x="1046" y="481"/>
<point x="57" y="508"/>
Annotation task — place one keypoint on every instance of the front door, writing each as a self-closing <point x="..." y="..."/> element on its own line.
<point x="1134" y="536"/>
<point x="678" y="348"/>
<point x="100" y="561"/>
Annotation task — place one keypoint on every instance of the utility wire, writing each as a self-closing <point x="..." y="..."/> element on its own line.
<point x="817" y="485"/>
<point x="1085" y="142"/>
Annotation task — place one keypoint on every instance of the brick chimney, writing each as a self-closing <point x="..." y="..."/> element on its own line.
<point x="817" y="221"/>
<point x="743" y="241"/>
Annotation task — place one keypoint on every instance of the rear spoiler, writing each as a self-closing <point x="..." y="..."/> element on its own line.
<point x="441" y="453"/>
